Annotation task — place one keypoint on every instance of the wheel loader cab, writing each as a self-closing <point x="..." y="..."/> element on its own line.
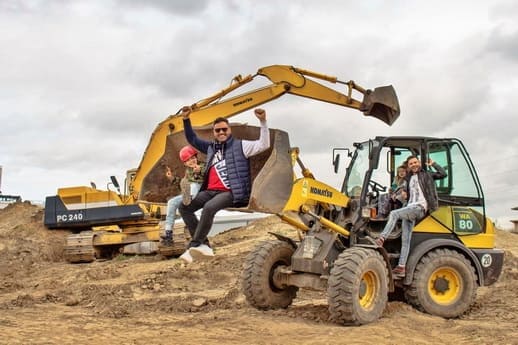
<point x="461" y="201"/>
<point x="271" y="170"/>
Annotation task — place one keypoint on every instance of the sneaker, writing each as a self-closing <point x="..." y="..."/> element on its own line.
<point x="186" y="257"/>
<point x="185" y="188"/>
<point x="399" y="271"/>
<point x="379" y="241"/>
<point x="167" y="240"/>
<point x="202" y="252"/>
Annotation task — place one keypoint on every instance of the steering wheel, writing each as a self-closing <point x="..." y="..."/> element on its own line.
<point x="377" y="187"/>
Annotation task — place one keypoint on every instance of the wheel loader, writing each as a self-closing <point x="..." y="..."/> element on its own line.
<point x="452" y="250"/>
<point x="111" y="221"/>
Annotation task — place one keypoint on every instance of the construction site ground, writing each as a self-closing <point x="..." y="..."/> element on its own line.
<point x="152" y="300"/>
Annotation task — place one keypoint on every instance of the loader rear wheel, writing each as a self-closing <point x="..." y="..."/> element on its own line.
<point x="444" y="284"/>
<point x="357" y="290"/>
<point x="257" y="278"/>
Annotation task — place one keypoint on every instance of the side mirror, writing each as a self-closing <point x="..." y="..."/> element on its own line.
<point x="336" y="157"/>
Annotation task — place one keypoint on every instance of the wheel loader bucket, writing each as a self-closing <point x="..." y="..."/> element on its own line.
<point x="382" y="103"/>
<point x="271" y="171"/>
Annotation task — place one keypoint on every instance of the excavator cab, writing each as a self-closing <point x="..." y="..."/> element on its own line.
<point x="271" y="170"/>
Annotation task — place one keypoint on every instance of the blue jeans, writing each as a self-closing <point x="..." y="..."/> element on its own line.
<point x="174" y="203"/>
<point x="409" y="215"/>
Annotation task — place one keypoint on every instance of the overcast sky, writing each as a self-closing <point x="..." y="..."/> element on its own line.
<point x="84" y="83"/>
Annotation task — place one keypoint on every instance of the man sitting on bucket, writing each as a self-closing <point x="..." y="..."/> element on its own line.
<point x="226" y="182"/>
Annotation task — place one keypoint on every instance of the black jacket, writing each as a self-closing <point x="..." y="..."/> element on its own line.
<point x="427" y="184"/>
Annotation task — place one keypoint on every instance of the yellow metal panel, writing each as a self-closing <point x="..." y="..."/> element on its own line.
<point x="428" y="224"/>
<point x="112" y="228"/>
<point x="85" y="195"/>
<point x="478" y="240"/>
<point x="111" y="238"/>
<point x="308" y="192"/>
<point x="484" y="240"/>
<point x="443" y="214"/>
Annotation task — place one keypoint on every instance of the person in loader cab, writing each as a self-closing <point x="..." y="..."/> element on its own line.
<point x="189" y="187"/>
<point x="227" y="181"/>
<point x="422" y="199"/>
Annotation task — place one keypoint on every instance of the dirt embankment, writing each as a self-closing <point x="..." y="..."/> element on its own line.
<point x="149" y="300"/>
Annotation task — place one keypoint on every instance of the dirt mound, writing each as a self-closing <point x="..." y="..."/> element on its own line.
<point x="147" y="299"/>
<point x="25" y="244"/>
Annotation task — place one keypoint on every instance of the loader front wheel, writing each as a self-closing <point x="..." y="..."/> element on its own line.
<point x="444" y="284"/>
<point x="357" y="290"/>
<point x="257" y="278"/>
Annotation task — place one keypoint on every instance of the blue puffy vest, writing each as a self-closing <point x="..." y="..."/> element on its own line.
<point x="238" y="169"/>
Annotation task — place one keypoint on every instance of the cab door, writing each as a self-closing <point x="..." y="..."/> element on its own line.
<point x="461" y="199"/>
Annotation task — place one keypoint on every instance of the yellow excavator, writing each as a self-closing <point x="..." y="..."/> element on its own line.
<point x="111" y="220"/>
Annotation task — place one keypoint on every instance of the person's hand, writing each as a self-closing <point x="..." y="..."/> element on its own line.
<point x="430" y="162"/>
<point x="186" y="111"/>
<point x="168" y="172"/>
<point x="260" y="114"/>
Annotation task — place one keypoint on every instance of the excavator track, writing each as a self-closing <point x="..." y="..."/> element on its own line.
<point x="79" y="247"/>
<point x="176" y="248"/>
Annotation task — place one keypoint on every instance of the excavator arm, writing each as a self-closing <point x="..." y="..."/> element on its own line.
<point x="380" y="103"/>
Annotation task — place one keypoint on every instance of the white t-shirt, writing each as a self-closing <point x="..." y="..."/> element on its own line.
<point x="416" y="194"/>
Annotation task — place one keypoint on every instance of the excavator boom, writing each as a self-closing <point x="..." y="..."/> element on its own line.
<point x="380" y="103"/>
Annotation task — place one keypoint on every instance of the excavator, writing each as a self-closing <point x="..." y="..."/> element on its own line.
<point x="111" y="221"/>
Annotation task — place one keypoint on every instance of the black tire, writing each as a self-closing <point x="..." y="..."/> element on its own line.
<point x="257" y="277"/>
<point x="357" y="290"/>
<point x="444" y="284"/>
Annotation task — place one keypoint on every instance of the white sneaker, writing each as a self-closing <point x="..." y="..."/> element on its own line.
<point x="186" y="257"/>
<point x="201" y="252"/>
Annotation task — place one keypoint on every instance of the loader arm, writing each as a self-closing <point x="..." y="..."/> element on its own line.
<point x="381" y="103"/>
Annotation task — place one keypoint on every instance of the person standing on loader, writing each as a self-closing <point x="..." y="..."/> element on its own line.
<point x="227" y="181"/>
<point x="422" y="198"/>
<point x="189" y="187"/>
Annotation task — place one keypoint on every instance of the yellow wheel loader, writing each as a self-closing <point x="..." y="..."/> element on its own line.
<point x="452" y="250"/>
<point x="113" y="222"/>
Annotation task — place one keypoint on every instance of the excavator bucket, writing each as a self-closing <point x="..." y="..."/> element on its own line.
<point x="382" y="103"/>
<point x="272" y="175"/>
<point x="271" y="170"/>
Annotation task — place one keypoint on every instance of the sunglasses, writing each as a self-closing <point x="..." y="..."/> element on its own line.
<point x="224" y="130"/>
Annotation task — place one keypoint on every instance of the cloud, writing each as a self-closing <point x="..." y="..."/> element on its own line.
<point x="85" y="83"/>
